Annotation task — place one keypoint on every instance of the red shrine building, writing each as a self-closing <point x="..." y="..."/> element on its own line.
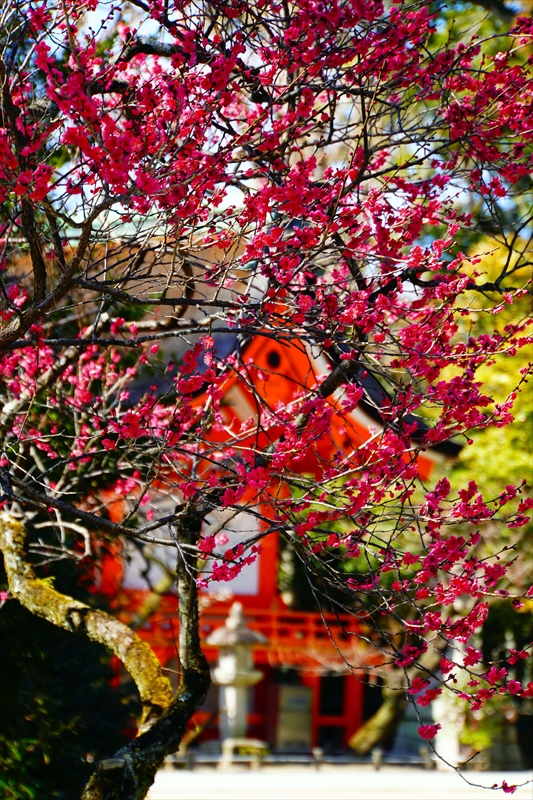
<point x="308" y="696"/>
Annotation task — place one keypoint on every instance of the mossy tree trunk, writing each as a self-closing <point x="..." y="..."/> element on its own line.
<point x="129" y="774"/>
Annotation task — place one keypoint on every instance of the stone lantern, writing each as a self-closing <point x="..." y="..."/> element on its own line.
<point x="234" y="672"/>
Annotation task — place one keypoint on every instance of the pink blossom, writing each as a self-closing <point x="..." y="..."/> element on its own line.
<point x="507" y="788"/>
<point x="428" y="731"/>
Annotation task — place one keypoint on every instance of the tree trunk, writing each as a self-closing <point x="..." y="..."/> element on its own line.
<point x="384" y="722"/>
<point x="129" y="774"/>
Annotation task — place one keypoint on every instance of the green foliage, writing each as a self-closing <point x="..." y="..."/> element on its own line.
<point x="500" y="456"/>
<point x="482" y="728"/>
<point x="59" y="708"/>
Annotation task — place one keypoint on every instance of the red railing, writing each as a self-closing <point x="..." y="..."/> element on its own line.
<point x="293" y="638"/>
<point x="292" y="629"/>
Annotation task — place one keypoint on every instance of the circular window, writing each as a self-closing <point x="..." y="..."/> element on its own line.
<point x="273" y="359"/>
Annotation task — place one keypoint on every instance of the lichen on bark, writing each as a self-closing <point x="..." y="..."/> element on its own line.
<point x="133" y="769"/>
<point x="129" y="774"/>
<point x="65" y="612"/>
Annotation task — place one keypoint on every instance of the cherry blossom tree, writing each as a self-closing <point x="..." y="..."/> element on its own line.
<point x="180" y="178"/>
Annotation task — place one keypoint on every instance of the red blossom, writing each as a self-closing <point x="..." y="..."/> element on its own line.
<point x="222" y="294"/>
<point x="508" y="788"/>
<point x="428" y="731"/>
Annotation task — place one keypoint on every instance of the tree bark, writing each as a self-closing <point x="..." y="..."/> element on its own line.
<point x="129" y="774"/>
<point x="72" y="615"/>
<point x="382" y="724"/>
<point x="389" y="715"/>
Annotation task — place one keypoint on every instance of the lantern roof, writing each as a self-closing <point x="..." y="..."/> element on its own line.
<point x="235" y="631"/>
